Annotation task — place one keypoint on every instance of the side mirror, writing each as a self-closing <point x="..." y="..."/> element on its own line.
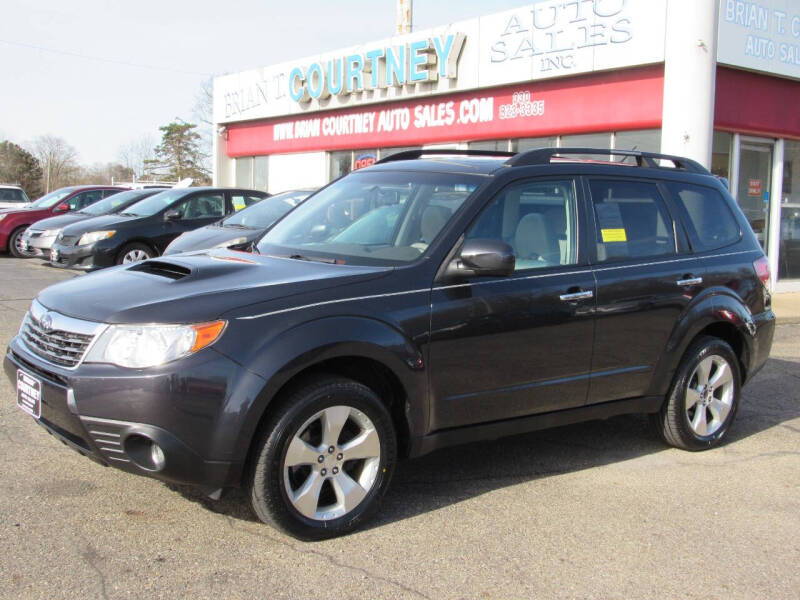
<point x="63" y="207"/>
<point x="483" y="257"/>
<point x="172" y="214"/>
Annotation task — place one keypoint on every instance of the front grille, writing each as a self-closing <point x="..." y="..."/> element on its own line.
<point x="58" y="346"/>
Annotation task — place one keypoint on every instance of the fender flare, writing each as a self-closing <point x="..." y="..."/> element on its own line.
<point x="715" y="306"/>
<point x="316" y="341"/>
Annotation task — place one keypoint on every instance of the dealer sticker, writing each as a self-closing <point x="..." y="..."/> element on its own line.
<point x="29" y="394"/>
<point x="614" y="235"/>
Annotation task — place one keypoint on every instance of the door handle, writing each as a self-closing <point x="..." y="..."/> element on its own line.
<point x="690" y="281"/>
<point x="577" y="296"/>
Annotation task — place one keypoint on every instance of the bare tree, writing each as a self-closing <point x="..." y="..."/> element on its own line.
<point x="136" y="154"/>
<point x="203" y="113"/>
<point x="59" y="161"/>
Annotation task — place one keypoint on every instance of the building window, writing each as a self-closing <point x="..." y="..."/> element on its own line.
<point x="384" y="152"/>
<point x="342" y="162"/>
<point x="644" y="140"/>
<point x="721" y="154"/>
<point x="492" y="145"/>
<point x="244" y="171"/>
<point x="789" y="252"/>
<point x="587" y="140"/>
<point x="523" y="144"/>
<point x="261" y="173"/>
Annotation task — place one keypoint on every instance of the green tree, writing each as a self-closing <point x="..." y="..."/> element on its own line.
<point x="179" y="155"/>
<point x="17" y="165"/>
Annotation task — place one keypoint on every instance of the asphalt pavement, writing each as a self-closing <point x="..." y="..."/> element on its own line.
<point x="598" y="510"/>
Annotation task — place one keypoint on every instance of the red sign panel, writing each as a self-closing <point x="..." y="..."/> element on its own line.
<point x="612" y="101"/>
<point x="753" y="187"/>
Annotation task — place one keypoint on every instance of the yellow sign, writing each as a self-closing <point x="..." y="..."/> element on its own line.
<point x="614" y="235"/>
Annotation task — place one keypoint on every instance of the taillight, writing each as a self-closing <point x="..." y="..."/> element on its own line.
<point x="761" y="266"/>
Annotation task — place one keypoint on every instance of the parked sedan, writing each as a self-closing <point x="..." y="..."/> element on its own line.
<point x="13" y="223"/>
<point x="146" y="228"/>
<point x="240" y="230"/>
<point x="38" y="239"/>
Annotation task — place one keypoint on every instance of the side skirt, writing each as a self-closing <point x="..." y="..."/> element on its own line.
<point x="497" y="429"/>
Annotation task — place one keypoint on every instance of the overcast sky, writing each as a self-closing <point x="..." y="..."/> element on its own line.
<point x="100" y="105"/>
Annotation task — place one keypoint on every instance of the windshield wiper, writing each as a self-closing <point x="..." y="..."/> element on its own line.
<point x="330" y="261"/>
<point x="127" y="214"/>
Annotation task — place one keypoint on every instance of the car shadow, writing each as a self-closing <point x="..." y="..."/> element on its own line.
<point x="451" y="475"/>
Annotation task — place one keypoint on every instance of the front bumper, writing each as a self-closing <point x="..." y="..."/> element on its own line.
<point x="84" y="258"/>
<point x="192" y="409"/>
<point x="37" y="246"/>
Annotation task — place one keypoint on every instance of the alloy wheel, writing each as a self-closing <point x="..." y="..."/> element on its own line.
<point x="709" y="395"/>
<point x="331" y="463"/>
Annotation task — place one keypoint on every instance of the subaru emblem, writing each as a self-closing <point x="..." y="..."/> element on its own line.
<point x="46" y="321"/>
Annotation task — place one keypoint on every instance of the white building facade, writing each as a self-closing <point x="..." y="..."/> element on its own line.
<point x="717" y="81"/>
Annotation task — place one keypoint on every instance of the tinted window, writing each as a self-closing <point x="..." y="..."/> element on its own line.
<point x="706" y="215"/>
<point x="12" y="195"/>
<point x="537" y="219"/>
<point x="203" y="206"/>
<point x="631" y="220"/>
<point x="107" y="193"/>
<point x="263" y="214"/>
<point x="79" y="201"/>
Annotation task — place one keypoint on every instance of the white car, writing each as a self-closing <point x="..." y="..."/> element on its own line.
<point x="13" y="196"/>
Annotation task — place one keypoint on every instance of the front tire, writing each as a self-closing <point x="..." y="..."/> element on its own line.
<point x="324" y="460"/>
<point x="703" y="399"/>
<point x="134" y="253"/>
<point x="15" y="243"/>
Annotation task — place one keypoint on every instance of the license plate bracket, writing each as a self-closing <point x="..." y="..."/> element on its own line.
<point x="29" y="394"/>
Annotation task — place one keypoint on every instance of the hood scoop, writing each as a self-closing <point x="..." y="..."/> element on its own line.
<point x="162" y="269"/>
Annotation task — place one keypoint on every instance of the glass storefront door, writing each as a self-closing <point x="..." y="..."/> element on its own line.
<point x="753" y="190"/>
<point x="789" y="253"/>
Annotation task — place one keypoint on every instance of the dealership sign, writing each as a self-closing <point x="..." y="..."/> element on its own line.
<point x="762" y="35"/>
<point x="549" y="39"/>
<point x="601" y="102"/>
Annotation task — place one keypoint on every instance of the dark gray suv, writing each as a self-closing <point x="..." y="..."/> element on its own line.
<point x="429" y="300"/>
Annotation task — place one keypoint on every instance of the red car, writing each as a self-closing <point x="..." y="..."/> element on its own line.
<point x="14" y="222"/>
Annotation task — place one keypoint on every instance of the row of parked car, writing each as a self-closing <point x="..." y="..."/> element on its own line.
<point x="92" y="227"/>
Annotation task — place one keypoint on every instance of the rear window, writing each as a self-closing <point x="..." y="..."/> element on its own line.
<point x="707" y="217"/>
<point x="12" y="195"/>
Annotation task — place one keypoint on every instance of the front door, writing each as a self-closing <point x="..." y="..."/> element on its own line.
<point x="755" y="178"/>
<point x="198" y="210"/>
<point x="518" y="345"/>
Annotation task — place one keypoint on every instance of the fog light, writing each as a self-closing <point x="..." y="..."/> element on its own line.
<point x="157" y="456"/>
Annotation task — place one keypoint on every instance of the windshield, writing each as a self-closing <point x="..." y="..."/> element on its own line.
<point x="380" y="218"/>
<point x="111" y="203"/>
<point x="52" y="198"/>
<point x="264" y="213"/>
<point x="12" y="195"/>
<point x="154" y="204"/>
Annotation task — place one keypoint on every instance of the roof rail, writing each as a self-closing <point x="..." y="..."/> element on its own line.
<point x="414" y="154"/>
<point x="542" y="156"/>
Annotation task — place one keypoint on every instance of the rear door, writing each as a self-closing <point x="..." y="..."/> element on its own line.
<point x="646" y="277"/>
<point x="514" y="346"/>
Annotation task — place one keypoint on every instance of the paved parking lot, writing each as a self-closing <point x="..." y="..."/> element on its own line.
<point x="599" y="510"/>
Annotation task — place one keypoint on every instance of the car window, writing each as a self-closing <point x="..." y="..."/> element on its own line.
<point x="203" y="206"/>
<point x="107" y="193"/>
<point x="78" y="201"/>
<point x="12" y="195"/>
<point x="631" y="220"/>
<point x="241" y="200"/>
<point x="707" y="217"/>
<point x="537" y="219"/>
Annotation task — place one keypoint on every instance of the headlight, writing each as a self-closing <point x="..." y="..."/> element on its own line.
<point x="142" y="346"/>
<point x="49" y="232"/>
<point x="233" y="242"/>
<point x="94" y="236"/>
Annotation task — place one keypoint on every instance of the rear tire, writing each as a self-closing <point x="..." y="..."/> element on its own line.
<point x="703" y="399"/>
<point x="135" y="252"/>
<point x="14" y="242"/>
<point x="324" y="460"/>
